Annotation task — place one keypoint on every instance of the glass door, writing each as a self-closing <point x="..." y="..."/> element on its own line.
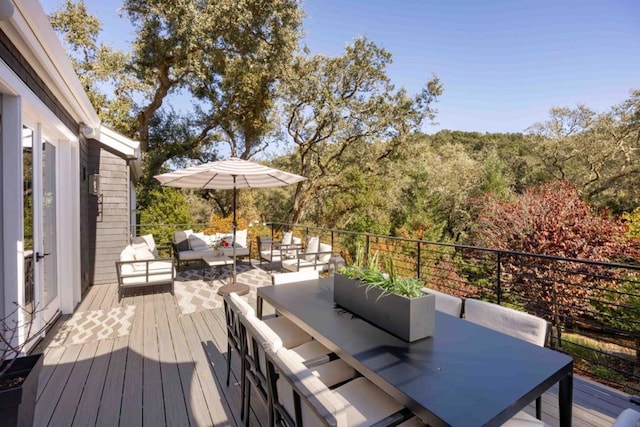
<point x="40" y="227"/>
<point x="48" y="256"/>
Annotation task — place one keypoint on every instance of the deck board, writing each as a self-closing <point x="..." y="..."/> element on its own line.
<point x="171" y="370"/>
<point x="152" y="397"/>
<point x="87" y="410"/>
<point x="131" y="409"/>
<point x="173" y="395"/>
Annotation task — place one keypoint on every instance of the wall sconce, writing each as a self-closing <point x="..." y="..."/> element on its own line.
<point x="94" y="184"/>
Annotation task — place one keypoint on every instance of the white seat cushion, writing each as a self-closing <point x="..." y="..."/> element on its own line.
<point x="522" y="419"/>
<point x="294" y="264"/>
<point x="312" y="353"/>
<point x="290" y="333"/>
<point x="518" y="324"/>
<point x="627" y="418"/>
<point x="271" y="255"/>
<point x="297" y="276"/>
<point x="446" y="303"/>
<point x="367" y="403"/>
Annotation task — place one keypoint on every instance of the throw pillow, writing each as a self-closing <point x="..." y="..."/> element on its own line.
<point x="241" y="238"/>
<point x="197" y="242"/>
<point x="325" y="253"/>
<point x="128" y="254"/>
<point x="287" y="238"/>
<point x="311" y="247"/>
<point x="181" y="239"/>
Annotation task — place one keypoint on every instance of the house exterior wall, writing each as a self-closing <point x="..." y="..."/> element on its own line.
<point x="107" y="213"/>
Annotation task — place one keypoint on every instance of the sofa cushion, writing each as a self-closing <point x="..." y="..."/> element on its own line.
<point x="143" y="253"/>
<point x="198" y="242"/>
<point x="181" y="239"/>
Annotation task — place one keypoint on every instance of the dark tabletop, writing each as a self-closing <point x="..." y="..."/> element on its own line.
<point x="465" y="375"/>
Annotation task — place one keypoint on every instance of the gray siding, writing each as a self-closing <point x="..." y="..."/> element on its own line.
<point x="105" y="218"/>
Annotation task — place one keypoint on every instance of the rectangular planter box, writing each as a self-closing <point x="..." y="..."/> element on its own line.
<point x="410" y="319"/>
<point x="17" y="405"/>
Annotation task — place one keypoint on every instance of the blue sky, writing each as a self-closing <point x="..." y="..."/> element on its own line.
<point x="503" y="64"/>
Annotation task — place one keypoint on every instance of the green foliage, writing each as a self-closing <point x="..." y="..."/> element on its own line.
<point x="390" y="282"/>
<point x="166" y="206"/>
<point x="341" y="113"/>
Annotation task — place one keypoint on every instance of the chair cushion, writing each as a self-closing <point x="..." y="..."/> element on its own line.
<point x="290" y="333"/>
<point x="512" y="322"/>
<point x="312" y="353"/>
<point x="627" y="418"/>
<point x="198" y="242"/>
<point x="522" y="419"/>
<point x="366" y="403"/>
<point x="446" y="303"/>
<point x="296" y="276"/>
<point x="334" y="372"/>
<point x="262" y="333"/>
<point x="330" y="405"/>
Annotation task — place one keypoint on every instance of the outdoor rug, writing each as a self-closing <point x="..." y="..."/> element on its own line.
<point x="196" y="291"/>
<point x="89" y="326"/>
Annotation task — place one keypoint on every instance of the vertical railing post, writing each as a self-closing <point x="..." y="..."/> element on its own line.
<point x="418" y="267"/>
<point x="366" y="248"/>
<point x="498" y="278"/>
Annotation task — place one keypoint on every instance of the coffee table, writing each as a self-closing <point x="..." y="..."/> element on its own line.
<point x="214" y="261"/>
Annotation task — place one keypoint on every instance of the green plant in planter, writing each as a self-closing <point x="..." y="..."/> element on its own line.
<point x="390" y="282"/>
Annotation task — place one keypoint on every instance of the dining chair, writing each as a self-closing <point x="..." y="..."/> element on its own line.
<point x="260" y="339"/>
<point x="236" y="308"/>
<point x="518" y="324"/>
<point x="300" y="398"/>
<point x="446" y="303"/>
<point x="627" y="418"/>
<point x="295" y="276"/>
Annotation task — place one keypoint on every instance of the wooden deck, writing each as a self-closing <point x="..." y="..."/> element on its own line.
<point x="169" y="368"/>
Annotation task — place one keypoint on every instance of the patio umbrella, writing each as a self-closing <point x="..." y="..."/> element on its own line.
<point x="229" y="174"/>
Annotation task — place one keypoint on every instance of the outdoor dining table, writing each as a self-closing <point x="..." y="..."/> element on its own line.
<point x="464" y="375"/>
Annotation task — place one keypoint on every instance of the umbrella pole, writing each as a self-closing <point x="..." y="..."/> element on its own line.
<point x="235" y="226"/>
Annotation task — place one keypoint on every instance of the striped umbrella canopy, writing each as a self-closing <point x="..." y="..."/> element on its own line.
<point x="229" y="174"/>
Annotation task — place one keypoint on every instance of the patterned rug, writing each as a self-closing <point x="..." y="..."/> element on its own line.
<point x="89" y="326"/>
<point x="196" y="290"/>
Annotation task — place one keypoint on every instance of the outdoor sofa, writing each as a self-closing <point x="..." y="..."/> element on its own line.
<point x="189" y="246"/>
